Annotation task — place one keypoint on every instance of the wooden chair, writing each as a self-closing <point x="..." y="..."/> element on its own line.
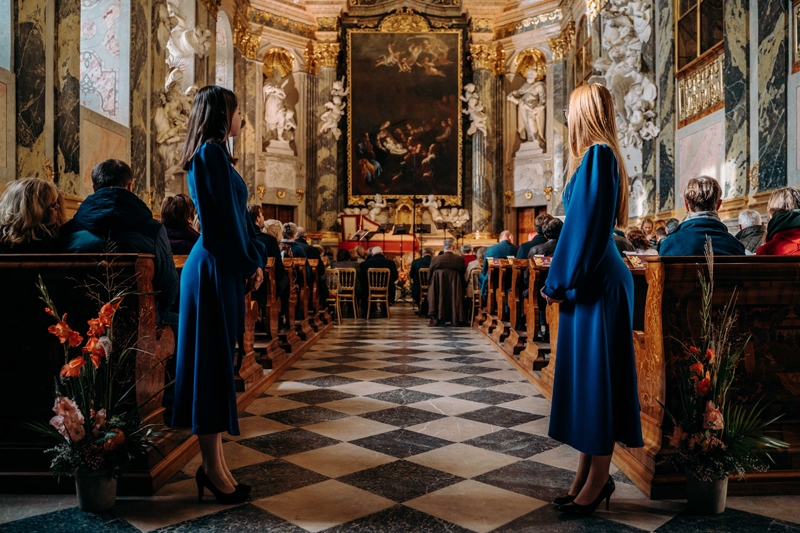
<point x="378" y="283"/>
<point x="346" y="293"/>
<point x="476" y="294"/>
<point x="424" y="283"/>
<point x="332" y="277"/>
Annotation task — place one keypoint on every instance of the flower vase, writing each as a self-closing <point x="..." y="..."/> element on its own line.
<point x="96" y="490"/>
<point x="706" y="497"/>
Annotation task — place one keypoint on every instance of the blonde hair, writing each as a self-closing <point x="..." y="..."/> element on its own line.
<point x="644" y="221"/>
<point x="784" y="199"/>
<point x="592" y="120"/>
<point x="23" y="207"/>
<point x="273" y="227"/>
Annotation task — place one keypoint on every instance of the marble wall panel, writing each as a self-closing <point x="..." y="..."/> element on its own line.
<point x="157" y="76"/>
<point x="737" y="97"/>
<point x="3" y="125"/>
<point x="324" y="206"/>
<point x="484" y="199"/>
<point x="797" y="129"/>
<point x="665" y="72"/>
<point x="6" y="41"/>
<point x="67" y="96"/>
<point x="140" y="103"/>
<point x="252" y="88"/>
<point x="30" y="67"/>
<point x="701" y="153"/>
<point x="773" y="54"/>
<point x="101" y="139"/>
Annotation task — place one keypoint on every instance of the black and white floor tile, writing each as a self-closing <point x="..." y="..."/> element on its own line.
<point x="394" y="426"/>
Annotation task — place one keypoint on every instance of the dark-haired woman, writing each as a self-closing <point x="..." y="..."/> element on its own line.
<point x="224" y="264"/>
<point x="177" y="215"/>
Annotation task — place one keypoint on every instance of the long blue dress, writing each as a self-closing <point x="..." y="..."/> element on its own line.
<point x="213" y="280"/>
<point x="595" y="394"/>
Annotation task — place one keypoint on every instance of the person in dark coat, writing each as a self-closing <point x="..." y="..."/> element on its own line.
<point x="416" y="264"/>
<point x="552" y="231"/>
<point x="279" y="271"/>
<point x="446" y="291"/>
<point x="622" y="243"/>
<point x="377" y="260"/>
<point x="314" y="253"/>
<point x="223" y="266"/>
<point x="503" y="249"/>
<point x="115" y="219"/>
<point x="31" y="212"/>
<point x="702" y="199"/>
<point x="177" y="215"/>
<point x="595" y="399"/>
<point x="289" y="243"/>
<point x="751" y="230"/>
<point x="538" y="223"/>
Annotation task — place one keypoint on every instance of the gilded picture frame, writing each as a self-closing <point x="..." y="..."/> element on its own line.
<point x="404" y="135"/>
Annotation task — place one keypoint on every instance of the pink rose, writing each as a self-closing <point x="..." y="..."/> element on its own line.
<point x="99" y="421"/>
<point x="68" y="420"/>
<point x="712" y="418"/>
<point x="677" y="436"/>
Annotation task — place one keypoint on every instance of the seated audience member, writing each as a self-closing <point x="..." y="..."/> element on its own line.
<point x="273" y="228"/>
<point x="113" y="218"/>
<point x="639" y="241"/>
<point x="416" y="264"/>
<point x="503" y="249"/>
<point x="480" y="253"/>
<point x="622" y="243"/>
<point x="177" y="215"/>
<point x="446" y="294"/>
<point x="344" y="259"/>
<point x="551" y="230"/>
<point x="359" y="254"/>
<point x="661" y="233"/>
<point x="289" y="246"/>
<point x="536" y="239"/>
<point x="314" y="252"/>
<point x="270" y="242"/>
<point x="31" y="212"/>
<point x="672" y="225"/>
<point x="378" y="260"/>
<point x="702" y="198"/>
<point x="751" y="230"/>
<point x="466" y="253"/>
<point x="648" y="228"/>
<point x="783" y="229"/>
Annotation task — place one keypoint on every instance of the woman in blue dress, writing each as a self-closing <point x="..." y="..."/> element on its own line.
<point x="595" y="393"/>
<point x="224" y="264"/>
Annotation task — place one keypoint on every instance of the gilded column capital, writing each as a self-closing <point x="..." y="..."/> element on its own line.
<point x="561" y="45"/>
<point x="488" y="56"/>
<point x="321" y="55"/>
<point x="245" y="41"/>
<point x="212" y="6"/>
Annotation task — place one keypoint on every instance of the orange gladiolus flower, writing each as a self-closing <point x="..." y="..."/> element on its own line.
<point x="95" y="350"/>
<point x="694" y="350"/>
<point x="703" y="386"/>
<point x="65" y="333"/>
<point x="697" y="368"/>
<point x="73" y="368"/>
<point x="710" y="355"/>
<point x="49" y="311"/>
<point x="107" y="313"/>
<point x="96" y="327"/>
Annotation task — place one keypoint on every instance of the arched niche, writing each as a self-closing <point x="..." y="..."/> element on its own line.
<point x="224" y="69"/>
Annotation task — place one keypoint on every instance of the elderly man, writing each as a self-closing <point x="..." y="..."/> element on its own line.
<point x="446" y="291"/>
<point x="377" y="260"/>
<point x="702" y="198"/>
<point x="751" y="230"/>
<point x="416" y="265"/>
<point x="504" y="248"/>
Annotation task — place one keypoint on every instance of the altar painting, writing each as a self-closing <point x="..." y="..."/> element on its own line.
<point x="404" y="127"/>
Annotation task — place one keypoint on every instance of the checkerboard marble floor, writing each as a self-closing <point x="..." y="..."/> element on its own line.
<point x="394" y="426"/>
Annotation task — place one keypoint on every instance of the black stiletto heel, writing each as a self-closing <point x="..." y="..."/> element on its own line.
<point x="203" y="481"/>
<point x="585" y="510"/>
<point x="564" y="499"/>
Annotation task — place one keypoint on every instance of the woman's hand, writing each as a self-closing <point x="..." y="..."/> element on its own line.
<point x="255" y="280"/>
<point x="550" y="301"/>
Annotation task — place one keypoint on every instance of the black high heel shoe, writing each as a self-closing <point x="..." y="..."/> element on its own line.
<point x="228" y="498"/>
<point x="244" y="488"/>
<point x="585" y="510"/>
<point x="564" y="499"/>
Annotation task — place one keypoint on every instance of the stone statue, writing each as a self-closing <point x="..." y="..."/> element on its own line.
<point x="460" y="218"/>
<point x="171" y="121"/>
<point x="626" y="26"/>
<point x="275" y="109"/>
<point x="331" y="117"/>
<point x="432" y="204"/>
<point x="474" y="109"/>
<point x="376" y="207"/>
<point x="531" y="102"/>
<point x="184" y="42"/>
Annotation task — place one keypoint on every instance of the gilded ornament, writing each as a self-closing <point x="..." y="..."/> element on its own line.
<point x="530" y="59"/>
<point x="49" y="172"/>
<point x="561" y="45"/>
<point x="752" y="176"/>
<point x="529" y="23"/>
<point x="323" y="55"/>
<point x="509" y="197"/>
<point x="481" y="25"/>
<point x="279" y="59"/>
<point x="702" y="89"/>
<point x="328" y="24"/>
<point x="262" y="190"/>
<point x="299" y="195"/>
<point x="405" y="21"/>
<point x="528" y="195"/>
<point x="280" y="23"/>
<point x="280" y="193"/>
<point x="212" y="6"/>
<point x="244" y="40"/>
<point x="487" y="56"/>
<point x="595" y="7"/>
<point x="548" y="191"/>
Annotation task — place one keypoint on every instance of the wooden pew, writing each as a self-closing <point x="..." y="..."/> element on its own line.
<point x="303" y="324"/>
<point x="288" y="338"/>
<point x="518" y="332"/>
<point x="490" y="316"/>
<point x="34" y="357"/>
<point x="501" y="294"/>
<point x="271" y="318"/>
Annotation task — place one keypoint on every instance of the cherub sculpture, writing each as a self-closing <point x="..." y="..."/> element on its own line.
<point x="376" y="207"/>
<point x="432" y="204"/>
<point x="331" y="117"/>
<point x="474" y="109"/>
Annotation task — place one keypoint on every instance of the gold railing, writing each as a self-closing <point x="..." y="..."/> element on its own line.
<point x="701" y="90"/>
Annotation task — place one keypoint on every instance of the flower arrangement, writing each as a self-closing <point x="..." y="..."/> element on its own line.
<point x="712" y="436"/>
<point x="95" y="425"/>
<point x="403" y="282"/>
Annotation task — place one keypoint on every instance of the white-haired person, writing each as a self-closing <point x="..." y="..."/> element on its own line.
<point x="31" y="212"/>
<point x="751" y="230"/>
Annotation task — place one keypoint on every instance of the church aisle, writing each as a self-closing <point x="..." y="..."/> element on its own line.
<point x="394" y="426"/>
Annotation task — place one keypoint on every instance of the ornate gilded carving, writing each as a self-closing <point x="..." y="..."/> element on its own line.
<point x="321" y="55"/>
<point x="262" y="190"/>
<point x="650" y="364"/>
<point x="529" y="23"/>
<point x="49" y="173"/>
<point x="548" y="191"/>
<point x="328" y="24"/>
<point x="480" y="25"/>
<point x="279" y="59"/>
<point x="595" y="7"/>
<point x="244" y="40"/>
<point x="561" y="45"/>
<point x="299" y="193"/>
<point x="212" y="6"/>
<point x="280" y="193"/>
<point x="488" y="56"/>
<point x="280" y="23"/>
<point x="752" y="176"/>
<point x="530" y="59"/>
<point x="702" y="89"/>
<point x="405" y="21"/>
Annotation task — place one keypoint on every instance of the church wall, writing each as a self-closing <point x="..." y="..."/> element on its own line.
<point x="700" y="149"/>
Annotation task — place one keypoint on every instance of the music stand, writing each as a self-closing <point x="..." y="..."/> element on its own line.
<point x="382" y="229"/>
<point x="458" y="233"/>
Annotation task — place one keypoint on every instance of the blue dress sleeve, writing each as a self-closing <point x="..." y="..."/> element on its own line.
<point x="588" y="224"/>
<point x="227" y="232"/>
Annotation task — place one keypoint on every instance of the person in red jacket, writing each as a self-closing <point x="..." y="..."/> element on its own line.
<point x="783" y="229"/>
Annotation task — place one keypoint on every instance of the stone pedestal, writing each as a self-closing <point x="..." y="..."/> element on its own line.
<point x="277" y="171"/>
<point x="279" y="148"/>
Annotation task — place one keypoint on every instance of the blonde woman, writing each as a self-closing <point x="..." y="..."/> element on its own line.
<point x="595" y="394"/>
<point x="783" y="229"/>
<point x="31" y="211"/>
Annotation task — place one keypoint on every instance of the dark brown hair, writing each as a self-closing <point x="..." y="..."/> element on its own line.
<point x="540" y="221"/>
<point x="255" y="211"/>
<point x="702" y="194"/>
<point x="177" y="210"/>
<point x="210" y="121"/>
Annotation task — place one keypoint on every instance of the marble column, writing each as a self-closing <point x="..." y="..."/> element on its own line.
<point x="157" y="77"/>
<point x="140" y="73"/>
<point x="305" y="139"/>
<point x="67" y="109"/>
<point x="30" y="68"/>
<point x="560" y="134"/>
<point x="487" y="204"/>
<point x="648" y="169"/>
<point x="247" y="87"/>
<point x="773" y="57"/>
<point x="323" y="205"/>
<point x="665" y="79"/>
<point x="736" y="78"/>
